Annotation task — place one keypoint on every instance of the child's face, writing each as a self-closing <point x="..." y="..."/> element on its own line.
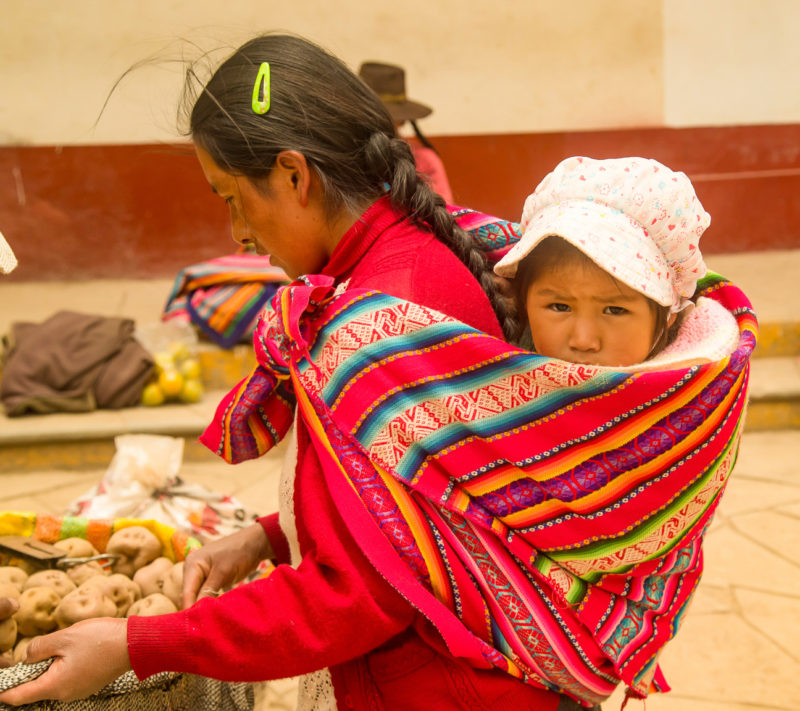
<point x="579" y="313"/>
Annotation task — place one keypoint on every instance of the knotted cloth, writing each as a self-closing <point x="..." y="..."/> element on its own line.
<point x="547" y="517"/>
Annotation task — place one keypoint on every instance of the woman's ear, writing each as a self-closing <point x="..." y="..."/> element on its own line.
<point x="293" y="168"/>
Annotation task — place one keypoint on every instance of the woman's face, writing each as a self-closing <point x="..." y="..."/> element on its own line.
<point x="276" y="216"/>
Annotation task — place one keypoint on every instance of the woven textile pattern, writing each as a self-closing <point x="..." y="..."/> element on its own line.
<point x="223" y="296"/>
<point x="547" y="517"/>
<point x="177" y="692"/>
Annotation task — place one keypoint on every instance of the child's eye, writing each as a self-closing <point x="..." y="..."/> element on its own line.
<point x="616" y="310"/>
<point x="561" y="308"/>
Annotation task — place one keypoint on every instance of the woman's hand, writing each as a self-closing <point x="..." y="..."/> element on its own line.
<point x="8" y="606"/>
<point x="220" y="564"/>
<point x="88" y="656"/>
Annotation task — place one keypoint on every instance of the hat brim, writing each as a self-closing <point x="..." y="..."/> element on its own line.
<point x="610" y="238"/>
<point x="407" y="110"/>
<point x="8" y="262"/>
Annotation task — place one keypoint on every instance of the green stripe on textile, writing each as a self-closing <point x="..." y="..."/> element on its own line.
<point x="601" y="549"/>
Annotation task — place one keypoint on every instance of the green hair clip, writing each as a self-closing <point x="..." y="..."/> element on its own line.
<point x="261" y="96"/>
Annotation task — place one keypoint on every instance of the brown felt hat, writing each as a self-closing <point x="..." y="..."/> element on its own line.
<point x="389" y="83"/>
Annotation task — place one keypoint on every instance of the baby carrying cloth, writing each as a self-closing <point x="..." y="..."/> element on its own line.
<point x="546" y="517"/>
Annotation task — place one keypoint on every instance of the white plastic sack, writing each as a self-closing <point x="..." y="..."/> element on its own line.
<point x="142" y="482"/>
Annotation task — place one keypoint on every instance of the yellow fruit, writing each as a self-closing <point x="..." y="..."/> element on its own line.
<point x="179" y="351"/>
<point x="192" y="390"/>
<point x="152" y="395"/>
<point x="164" y="361"/>
<point x="171" y="382"/>
<point x="190" y="369"/>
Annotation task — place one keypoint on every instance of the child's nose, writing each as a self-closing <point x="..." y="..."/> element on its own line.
<point x="585" y="336"/>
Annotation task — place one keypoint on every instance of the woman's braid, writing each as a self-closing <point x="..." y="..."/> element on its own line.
<point x="392" y="159"/>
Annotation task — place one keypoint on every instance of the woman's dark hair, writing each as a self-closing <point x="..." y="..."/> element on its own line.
<point x="321" y="109"/>
<point x="554" y="252"/>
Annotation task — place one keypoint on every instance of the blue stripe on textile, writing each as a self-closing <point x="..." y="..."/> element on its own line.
<point x="352" y="311"/>
<point x="446" y="435"/>
<point x="384" y="348"/>
<point x="237" y="329"/>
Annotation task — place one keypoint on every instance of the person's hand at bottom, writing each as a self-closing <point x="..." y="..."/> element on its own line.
<point x="88" y="656"/>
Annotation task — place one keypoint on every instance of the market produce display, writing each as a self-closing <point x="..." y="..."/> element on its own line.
<point x="160" y="691"/>
<point x="177" y="377"/>
<point x="141" y="580"/>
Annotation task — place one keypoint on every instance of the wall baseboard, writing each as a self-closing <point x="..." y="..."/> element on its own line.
<point x="139" y="211"/>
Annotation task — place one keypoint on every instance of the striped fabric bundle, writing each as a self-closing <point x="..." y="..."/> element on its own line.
<point x="224" y="296"/>
<point x="547" y="517"/>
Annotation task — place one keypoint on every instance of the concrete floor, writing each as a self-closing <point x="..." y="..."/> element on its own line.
<point x="739" y="647"/>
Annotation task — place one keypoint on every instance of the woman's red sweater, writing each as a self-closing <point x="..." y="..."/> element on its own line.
<point x="334" y="609"/>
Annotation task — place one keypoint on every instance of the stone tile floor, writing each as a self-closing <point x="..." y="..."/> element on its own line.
<point x="739" y="647"/>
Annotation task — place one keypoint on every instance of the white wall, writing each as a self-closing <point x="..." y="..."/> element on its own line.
<point x="731" y="62"/>
<point x="486" y="66"/>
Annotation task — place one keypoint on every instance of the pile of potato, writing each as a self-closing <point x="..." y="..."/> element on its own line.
<point x="140" y="582"/>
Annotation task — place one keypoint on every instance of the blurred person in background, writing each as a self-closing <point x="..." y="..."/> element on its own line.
<point x="389" y="83"/>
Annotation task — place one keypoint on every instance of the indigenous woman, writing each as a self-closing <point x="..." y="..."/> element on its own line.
<point x="306" y="157"/>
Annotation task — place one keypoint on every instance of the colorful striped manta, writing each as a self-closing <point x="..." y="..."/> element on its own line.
<point x="547" y="517"/>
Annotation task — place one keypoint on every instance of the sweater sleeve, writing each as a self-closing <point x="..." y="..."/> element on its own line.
<point x="276" y="538"/>
<point x="334" y="607"/>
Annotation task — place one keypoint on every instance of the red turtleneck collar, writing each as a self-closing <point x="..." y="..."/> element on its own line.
<point x="361" y="236"/>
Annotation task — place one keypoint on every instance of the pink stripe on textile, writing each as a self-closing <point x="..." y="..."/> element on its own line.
<point x="556" y="635"/>
<point x="384" y="557"/>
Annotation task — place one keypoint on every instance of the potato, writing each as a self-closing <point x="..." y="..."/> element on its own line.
<point x="120" y="588"/>
<point x="79" y="574"/>
<point x="135" y="546"/>
<point x="155" y="604"/>
<point x="143" y="583"/>
<point x="151" y="578"/>
<point x="21" y="647"/>
<point x="14" y="575"/>
<point x="36" y="608"/>
<point x="8" y="634"/>
<point x="9" y="590"/>
<point x="56" y="579"/>
<point x="173" y="584"/>
<point x="76" y="547"/>
<point x="82" y="604"/>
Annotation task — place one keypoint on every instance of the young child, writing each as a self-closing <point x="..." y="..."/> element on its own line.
<point x="607" y="265"/>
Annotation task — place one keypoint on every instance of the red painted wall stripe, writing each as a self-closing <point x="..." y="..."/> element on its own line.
<point x="83" y="212"/>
